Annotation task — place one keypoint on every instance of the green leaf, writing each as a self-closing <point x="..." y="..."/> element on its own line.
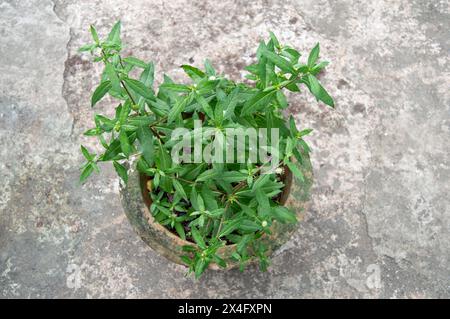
<point x="179" y="188"/>
<point x="112" y="75"/>
<point x="230" y="103"/>
<point x="296" y="171"/>
<point x="209" y="198"/>
<point x="94" y="33"/>
<point x="230" y="226"/>
<point x="283" y="215"/>
<point x="262" y="199"/>
<point x="86" y="153"/>
<point x="318" y="91"/>
<point x="145" y="137"/>
<point x="121" y="171"/>
<point x="305" y="132"/>
<point x="207" y="175"/>
<point x="283" y="64"/>
<point x="112" y="151"/>
<point x="187" y="261"/>
<point x="124" y="143"/>
<point x="163" y="157"/>
<point x="193" y="72"/>
<point x="205" y="105"/>
<point x="256" y="100"/>
<point x="292" y="126"/>
<point x="136" y="62"/>
<point x="87" y="47"/>
<point x="194" y="199"/>
<point x="180" y="230"/>
<point x="281" y="98"/>
<point x="123" y="112"/>
<point x="261" y="181"/>
<point x="314" y="85"/>
<point x="179" y="106"/>
<point x="86" y="172"/>
<point x="114" y="35"/>
<point x="219" y="261"/>
<point x="317" y="68"/>
<point x="198" y="238"/>
<point x="313" y="56"/>
<point x="232" y="176"/>
<point x="249" y="226"/>
<point x="209" y="68"/>
<point x="139" y="88"/>
<point x="100" y="92"/>
<point x="304" y="145"/>
<point x="148" y="75"/>
<point x="200" y="267"/>
<point x="175" y="87"/>
<point x="292" y="54"/>
<point x="274" y="39"/>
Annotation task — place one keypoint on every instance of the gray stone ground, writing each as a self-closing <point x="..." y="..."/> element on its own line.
<point x="379" y="226"/>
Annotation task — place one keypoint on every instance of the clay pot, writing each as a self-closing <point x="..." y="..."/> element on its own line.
<point x="136" y="202"/>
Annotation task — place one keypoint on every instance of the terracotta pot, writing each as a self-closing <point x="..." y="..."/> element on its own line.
<point x="136" y="201"/>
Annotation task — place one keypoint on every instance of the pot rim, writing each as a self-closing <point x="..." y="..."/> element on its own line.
<point x="287" y="180"/>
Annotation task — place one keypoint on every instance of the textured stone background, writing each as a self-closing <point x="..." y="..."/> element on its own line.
<point x="381" y="158"/>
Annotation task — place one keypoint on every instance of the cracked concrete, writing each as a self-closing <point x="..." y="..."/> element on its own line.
<point x="380" y="219"/>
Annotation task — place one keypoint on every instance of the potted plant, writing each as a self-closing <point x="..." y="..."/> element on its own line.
<point x="212" y="173"/>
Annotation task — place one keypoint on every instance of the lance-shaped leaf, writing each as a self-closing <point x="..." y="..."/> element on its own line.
<point x="283" y="215"/>
<point x="229" y="227"/>
<point x="260" y="97"/>
<point x="179" y="188"/>
<point x="139" y="88"/>
<point x="209" y="68"/>
<point x="280" y="62"/>
<point x="193" y="72"/>
<point x="232" y="176"/>
<point x="148" y="75"/>
<point x="114" y="35"/>
<point x="100" y="92"/>
<point x="112" y="151"/>
<point x="145" y="137"/>
<point x="318" y="91"/>
<point x="136" y="62"/>
<point x="124" y="143"/>
<point x="313" y="56"/>
<point x="88" y="169"/>
<point x="180" y="230"/>
<point x="86" y="153"/>
<point x="230" y="103"/>
<point x="121" y="171"/>
<point x="296" y="171"/>
<point x="205" y="105"/>
<point x="94" y="34"/>
<point x="198" y="238"/>
<point x="262" y="199"/>
<point x="175" y="87"/>
<point x="176" y="110"/>
<point x="112" y="75"/>
<point x="207" y="175"/>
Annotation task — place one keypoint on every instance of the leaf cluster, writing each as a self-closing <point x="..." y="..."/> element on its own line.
<point x="210" y="204"/>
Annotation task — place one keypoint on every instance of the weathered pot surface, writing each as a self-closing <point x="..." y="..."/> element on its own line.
<point x="135" y="201"/>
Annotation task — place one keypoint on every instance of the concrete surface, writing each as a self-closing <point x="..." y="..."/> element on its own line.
<point x="380" y="222"/>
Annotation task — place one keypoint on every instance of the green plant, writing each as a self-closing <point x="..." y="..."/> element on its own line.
<point x="211" y="204"/>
